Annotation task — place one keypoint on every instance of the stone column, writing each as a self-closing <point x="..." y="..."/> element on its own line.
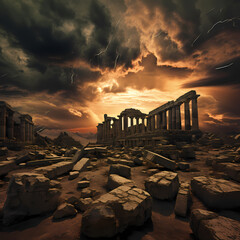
<point x="174" y="118"/>
<point x="104" y="130"/>
<point x="153" y="123"/>
<point x="137" y="121"/>
<point x="164" y="119"/>
<point x="158" y="121"/>
<point x="22" y="129"/>
<point x="187" y="115"/>
<point x="131" y="121"/>
<point x="143" y="124"/>
<point x="120" y="126"/>
<point x="195" y="114"/>
<point x="125" y="123"/>
<point x="149" y="123"/>
<point x="10" y="125"/>
<point x="30" y="132"/>
<point x="26" y="131"/>
<point x="178" y="117"/>
<point x="2" y="123"/>
<point x="170" y="118"/>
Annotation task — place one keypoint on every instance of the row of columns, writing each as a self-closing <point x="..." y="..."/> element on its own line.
<point x="174" y="117"/>
<point x="7" y="129"/>
<point x="6" y="123"/>
<point x="26" y="130"/>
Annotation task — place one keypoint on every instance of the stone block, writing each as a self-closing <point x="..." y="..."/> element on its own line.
<point x="216" y="193"/>
<point x="83" y="184"/>
<point x="121" y="170"/>
<point x="29" y="194"/>
<point x="115" y="181"/>
<point x="81" y="165"/>
<point x="161" y="160"/>
<point x="182" y="201"/>
<point x="73" y="175"/>
<point x="208" y="225"/>
<point x="55" y="170"/>
<point x="163" y="185"/>
<point x="115" y="211"/>
<point x="65" y="210"/>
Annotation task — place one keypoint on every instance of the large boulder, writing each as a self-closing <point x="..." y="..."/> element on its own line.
<point x="115" y="181"/>
<point x="55" y="170"/>
<point x="208" y="225"/>
<point x="121" y="170"/>
<point x="163" y="185"/>
<point x="115" y="211"/>
<point x="161" y="160"/>
<point x="29" y="194"/>
<point x="216" y="193"/>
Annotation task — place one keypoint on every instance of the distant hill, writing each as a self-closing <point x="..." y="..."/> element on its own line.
<point x="64" y="140"/>
<point x="83" y="138"/>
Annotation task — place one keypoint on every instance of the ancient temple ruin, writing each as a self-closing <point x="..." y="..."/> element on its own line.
<point x="15" y="126"/>
<point x="134" y="128"/>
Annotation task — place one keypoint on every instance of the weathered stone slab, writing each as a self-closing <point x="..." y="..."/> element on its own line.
<point x="161" y="160"/>
<point x="182" y="201"/>
<point x="81" y="165"/>
<point x="163" y="185"/>
<point x="115" y="211"/>
<point x="183" y="166"/>
<point x="6" y="167"/>
<point x="121" y="170"/>
<point x="29" y="194"/>
<point x="208" y="225"/>
<point x="55" y="170"/>
<point x="46" y="162"/>
<point x="216" y="193"/>
<point x="115" y="181"/>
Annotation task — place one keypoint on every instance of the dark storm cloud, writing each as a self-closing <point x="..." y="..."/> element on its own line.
<point x="225" y="74"/>
<point x="53" y="33"/>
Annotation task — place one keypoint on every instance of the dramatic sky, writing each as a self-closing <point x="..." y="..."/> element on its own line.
<point x="68" y="62"/>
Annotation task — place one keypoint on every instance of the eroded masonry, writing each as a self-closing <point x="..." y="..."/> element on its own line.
<point x="174" y="120"/>
<point x="15" y="126"/>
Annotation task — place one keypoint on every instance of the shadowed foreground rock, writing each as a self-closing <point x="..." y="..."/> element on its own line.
<point x="29" y="194"/>
<point x="216" y="193"/>
<point x="115" y="211"/>
<point x="208" y="225"/>
<point x="163" y="185"/>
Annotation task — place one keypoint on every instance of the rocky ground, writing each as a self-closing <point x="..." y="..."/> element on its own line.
<point x="169" y="191"/>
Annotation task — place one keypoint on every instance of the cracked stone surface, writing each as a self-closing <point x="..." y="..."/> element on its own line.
<point x="122" y="207"/>
<point x="216" y="193"/>
<point x="163" y="185"/>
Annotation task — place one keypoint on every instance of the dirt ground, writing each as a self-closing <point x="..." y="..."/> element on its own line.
<point x="163" y="225"/>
